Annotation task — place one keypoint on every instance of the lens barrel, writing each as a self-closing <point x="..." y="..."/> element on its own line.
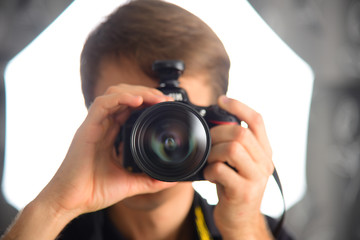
<point x="170" y="141"/>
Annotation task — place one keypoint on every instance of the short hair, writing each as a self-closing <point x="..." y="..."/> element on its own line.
<point x="149" y="30"/>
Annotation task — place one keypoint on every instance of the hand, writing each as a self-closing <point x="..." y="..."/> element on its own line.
<point x="89" y="178"/>
<point x="240" y="192"/>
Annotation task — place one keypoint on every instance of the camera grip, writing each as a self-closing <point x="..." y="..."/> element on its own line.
<point x="218" y="116"/>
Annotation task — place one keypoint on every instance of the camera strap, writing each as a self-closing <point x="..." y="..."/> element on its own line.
<point x="201" y="226"/>
<point x="280" y="223"/>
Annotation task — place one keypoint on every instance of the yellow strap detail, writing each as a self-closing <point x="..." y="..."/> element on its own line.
<point x="202" y="228"/>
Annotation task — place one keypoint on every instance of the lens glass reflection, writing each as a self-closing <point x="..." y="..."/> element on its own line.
<point x="170" y="140"/>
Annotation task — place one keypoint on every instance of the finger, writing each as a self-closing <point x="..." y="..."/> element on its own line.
<point x="219" y="173"/>
<point x="150" y="95"/>
<point x="135" y="89"/>
<point x="106" y="105"/>
<point x="121" y="116"/>
<point x="253" y="119"/>
<point x="239" y="139"/>
<point x="243" y="136"/>
<point x="142" y="183"/>
<point x="152" y="99"/>
<point x="236" y="156"/>
<point x="139" y="183"/>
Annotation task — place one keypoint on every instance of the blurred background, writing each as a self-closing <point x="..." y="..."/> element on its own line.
<point x="326" y="34"/>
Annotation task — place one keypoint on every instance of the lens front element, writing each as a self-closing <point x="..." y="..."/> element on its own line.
<point x="170" y="141"/>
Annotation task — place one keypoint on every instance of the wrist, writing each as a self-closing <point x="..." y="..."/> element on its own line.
<point x="250" y="230"/>
<point x="50" y="212"/>
<point x="38" y="220"/>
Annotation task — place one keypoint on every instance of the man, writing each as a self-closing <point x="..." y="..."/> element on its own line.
<point x="93" y="197"/>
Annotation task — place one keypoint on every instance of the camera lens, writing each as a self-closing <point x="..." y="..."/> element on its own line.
<point x="170" y="141"/>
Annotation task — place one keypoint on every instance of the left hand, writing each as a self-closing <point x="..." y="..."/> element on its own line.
<point x="240" y="192"/>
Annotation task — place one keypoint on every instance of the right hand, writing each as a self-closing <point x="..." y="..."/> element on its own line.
<point x="89" y="178"/>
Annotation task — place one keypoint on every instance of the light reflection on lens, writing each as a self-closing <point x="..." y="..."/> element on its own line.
<point x="171" y="140"/>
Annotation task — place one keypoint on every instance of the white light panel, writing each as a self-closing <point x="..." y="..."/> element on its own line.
<point x="45" y="106"/>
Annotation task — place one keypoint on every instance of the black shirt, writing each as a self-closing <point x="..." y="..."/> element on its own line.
<point x="98" y="226"/>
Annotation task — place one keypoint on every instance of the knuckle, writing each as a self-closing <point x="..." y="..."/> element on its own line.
<point x="148" y="93"/>
<point x="116" y="88"/>
<point x="269" y="168"/>
<point x="98" y="104"/>
<point x="233" y="150"/>
<point x="111" y="90"/>
<point x="270" y="152"/>
<point x="97" y="101"/>
<point x="217" y="169"/>
<point x="257" y="119"/>
<point x="240" y="133"/>
<point x="155" y="91"/>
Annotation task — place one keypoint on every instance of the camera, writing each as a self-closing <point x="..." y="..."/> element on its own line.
<point x="170" y="141"/>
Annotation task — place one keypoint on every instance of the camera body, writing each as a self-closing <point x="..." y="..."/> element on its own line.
<point x="170" y="141"/>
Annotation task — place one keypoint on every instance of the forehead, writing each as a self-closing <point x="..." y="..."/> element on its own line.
<point x="113" y="72"/>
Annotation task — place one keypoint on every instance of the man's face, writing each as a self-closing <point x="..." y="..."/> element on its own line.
<point x="113" y="72"/>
